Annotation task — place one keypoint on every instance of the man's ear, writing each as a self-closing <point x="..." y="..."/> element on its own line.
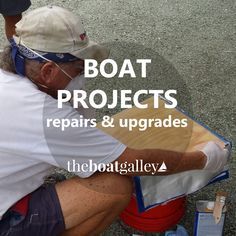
<point x="48" y="72"/>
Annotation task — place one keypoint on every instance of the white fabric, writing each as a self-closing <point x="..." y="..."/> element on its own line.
<point x="161" y="189"/>
<point x="28" y="150"/>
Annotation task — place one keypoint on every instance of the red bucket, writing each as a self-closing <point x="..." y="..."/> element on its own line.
<point x="157" y="219"/>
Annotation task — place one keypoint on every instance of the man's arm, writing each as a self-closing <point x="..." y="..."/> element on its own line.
<point x="174" y="161"/>
<point x="10" y="22"/>
<point x="211" y="157"/>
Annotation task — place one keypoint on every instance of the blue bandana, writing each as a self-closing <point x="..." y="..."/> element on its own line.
<point x="56" y="57"/>
<point x="20" y="52"/>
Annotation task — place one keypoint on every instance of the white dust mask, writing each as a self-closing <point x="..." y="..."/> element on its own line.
<point x="76" y="83"/>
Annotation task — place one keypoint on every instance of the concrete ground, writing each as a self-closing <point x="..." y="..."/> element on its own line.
<point x="192" y="45"/>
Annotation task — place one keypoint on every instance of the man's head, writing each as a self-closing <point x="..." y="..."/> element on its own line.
<point x="50" y="45"/>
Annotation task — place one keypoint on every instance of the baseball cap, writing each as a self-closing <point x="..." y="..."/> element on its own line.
<point x="57" y="30"/>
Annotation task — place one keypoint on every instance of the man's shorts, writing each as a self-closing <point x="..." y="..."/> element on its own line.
<point x="13" y="7"/>
<point x="44" y="217"/>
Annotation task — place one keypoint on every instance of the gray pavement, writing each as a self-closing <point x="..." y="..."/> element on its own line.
<point x="193" y="46"/>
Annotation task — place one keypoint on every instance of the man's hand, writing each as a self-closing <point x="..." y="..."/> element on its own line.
<point x="217" y="157"/>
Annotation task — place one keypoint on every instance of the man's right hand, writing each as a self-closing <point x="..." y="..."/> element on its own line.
<point x="216" y="157"/>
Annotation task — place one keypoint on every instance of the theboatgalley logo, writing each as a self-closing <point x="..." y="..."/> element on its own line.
<point x="115" y="167"/>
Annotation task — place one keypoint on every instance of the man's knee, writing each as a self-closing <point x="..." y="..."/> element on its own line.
<point x="118" y="189"/>
<point x="121" y="187"/>
<point x="109" y="183"/>
<point x="102" y="192"/>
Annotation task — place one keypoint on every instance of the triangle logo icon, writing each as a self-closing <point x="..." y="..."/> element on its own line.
<point x="163" y="167"/>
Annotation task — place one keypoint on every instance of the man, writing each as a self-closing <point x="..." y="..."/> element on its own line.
<point x="47" y="54"/>
<point x="12" y="13"/>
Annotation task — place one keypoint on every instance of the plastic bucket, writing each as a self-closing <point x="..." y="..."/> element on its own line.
<point x="157" y="219"/>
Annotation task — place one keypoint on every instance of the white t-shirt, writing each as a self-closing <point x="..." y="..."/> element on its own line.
<point x="28" y="149"/>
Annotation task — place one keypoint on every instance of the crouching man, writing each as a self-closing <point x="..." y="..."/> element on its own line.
<point x="46" y="55"/>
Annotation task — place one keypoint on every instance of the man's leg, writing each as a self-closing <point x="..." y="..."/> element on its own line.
<point x="12" y="12"/>
<point x="10" y="22"/>
<point x="90" y="205"/>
